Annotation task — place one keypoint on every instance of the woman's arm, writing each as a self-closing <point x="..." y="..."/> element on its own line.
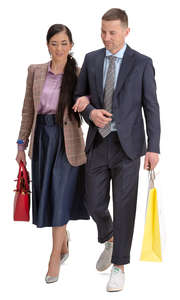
<point x="27" y="111"/>
<point x="83" y="101"/>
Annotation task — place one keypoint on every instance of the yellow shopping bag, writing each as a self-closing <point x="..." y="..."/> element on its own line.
<point x="151" y="247"/>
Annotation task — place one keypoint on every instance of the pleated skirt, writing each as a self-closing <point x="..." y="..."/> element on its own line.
<point x="58" y="188"/>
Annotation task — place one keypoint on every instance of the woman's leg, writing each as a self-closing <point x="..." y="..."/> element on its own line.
<point x="59" y="246"/>
<point x="64" y="248"/>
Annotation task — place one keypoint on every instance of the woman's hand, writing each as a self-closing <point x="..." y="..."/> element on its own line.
<point x="81" y="104"/>
<point x="21" y="155"/>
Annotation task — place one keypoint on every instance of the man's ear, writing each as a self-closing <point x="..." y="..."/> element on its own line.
<point x="127" y="31"/>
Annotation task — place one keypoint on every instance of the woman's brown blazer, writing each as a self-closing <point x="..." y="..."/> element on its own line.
<point x="73" y="135"/>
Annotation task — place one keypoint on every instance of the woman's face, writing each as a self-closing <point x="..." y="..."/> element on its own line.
<point x="59" y="46"/>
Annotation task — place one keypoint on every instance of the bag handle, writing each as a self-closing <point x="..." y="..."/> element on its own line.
<point x="22" y="169"/>
<point x="19" y="178"/>
<point x="152" y="177"/>
<point x="25" y="175"/>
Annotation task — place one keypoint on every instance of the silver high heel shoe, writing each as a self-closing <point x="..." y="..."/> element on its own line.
<point x="51" y="279"/>
<point x="66" y="255"/>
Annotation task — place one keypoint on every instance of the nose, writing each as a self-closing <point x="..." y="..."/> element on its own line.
<point x="107" y="37"/>
<point x="59" y="47"/>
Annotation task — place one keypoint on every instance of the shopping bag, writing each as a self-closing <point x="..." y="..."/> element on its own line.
<point x="22" y="195"/>
<point x="151" y="246"/>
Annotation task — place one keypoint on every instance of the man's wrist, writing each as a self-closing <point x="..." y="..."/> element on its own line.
<point x="90" y="114"/>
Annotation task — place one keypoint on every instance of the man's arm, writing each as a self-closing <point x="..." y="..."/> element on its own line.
<point x="151" y="108"/>
<point x="82" y="89"/>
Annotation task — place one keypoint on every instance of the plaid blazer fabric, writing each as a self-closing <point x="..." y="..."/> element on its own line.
<point x="73" y="135"/>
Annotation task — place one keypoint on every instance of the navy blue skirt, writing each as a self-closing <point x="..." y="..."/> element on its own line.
<point x="58" y="188"/>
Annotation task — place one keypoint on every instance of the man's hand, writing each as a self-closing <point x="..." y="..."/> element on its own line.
<point x="151" y="160"/>
<point x="100" y="117"/>
<point x="81" y="104"/>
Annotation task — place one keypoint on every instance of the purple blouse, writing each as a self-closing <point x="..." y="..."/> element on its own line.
<point x="49" y="97"/>
<point x="50" y="93"/>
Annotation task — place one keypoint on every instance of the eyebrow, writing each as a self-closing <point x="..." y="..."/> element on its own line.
<point x="61" y="41"/>
<point x="109" y="31"/>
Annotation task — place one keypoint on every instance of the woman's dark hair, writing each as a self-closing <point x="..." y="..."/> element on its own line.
<point x="69" y="79"/>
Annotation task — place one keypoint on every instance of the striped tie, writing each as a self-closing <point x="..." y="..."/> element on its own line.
<point x="108" y="93"/>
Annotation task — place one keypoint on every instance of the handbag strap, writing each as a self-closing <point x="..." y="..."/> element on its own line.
<point x="24" y="170"/>
<point x="19" y="178"/>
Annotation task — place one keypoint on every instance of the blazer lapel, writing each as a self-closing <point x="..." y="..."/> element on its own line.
<point x="40" y="79"/>
<point x="126" y="67"/>
<point x="99" y="73"/>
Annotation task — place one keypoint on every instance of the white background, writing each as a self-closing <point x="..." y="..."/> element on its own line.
<point x="25" y="249"/>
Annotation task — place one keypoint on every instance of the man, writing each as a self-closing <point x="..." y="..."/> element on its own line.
<point x="120" y="82"/>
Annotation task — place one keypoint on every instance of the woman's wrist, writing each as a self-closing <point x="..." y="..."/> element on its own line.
<point x="21" y="144"/>
<point x="21" y="147"/>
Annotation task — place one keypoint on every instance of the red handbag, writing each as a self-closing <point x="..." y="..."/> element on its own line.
<point x="22" y="195"/>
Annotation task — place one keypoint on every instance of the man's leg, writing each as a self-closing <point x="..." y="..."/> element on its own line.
<point x="97" y="195"/>
<point x="124" y="173"/>
<point x="125" y="187"/>
<point x="97" y="189"/>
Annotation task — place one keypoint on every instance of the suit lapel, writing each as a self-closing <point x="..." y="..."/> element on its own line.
<point x="126" y="67"/>
<point x="99" y="73"/>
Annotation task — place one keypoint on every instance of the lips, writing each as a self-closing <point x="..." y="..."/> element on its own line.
<point x="59" y="54"/>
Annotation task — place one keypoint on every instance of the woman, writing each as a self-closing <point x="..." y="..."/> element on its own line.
<point x="56" y="145"/>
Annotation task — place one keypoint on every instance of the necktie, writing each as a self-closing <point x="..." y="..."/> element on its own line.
<point x="108" y="93"/>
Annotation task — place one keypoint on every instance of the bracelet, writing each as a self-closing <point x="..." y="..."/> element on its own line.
<point x="20" y="142"/>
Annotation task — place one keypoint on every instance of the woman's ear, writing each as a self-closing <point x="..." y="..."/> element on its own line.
<point x="48" y="48"/>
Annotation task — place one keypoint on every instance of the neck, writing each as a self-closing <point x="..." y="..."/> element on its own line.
<point x="58" y="66"/>
<point x="117" y="50"/>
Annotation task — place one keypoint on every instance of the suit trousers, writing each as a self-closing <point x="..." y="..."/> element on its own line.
<point x="105" y="161"/>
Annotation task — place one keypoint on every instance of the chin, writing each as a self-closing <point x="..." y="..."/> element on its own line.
<point x="110" y="49"/>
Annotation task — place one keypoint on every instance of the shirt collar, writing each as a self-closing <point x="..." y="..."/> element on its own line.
<point x="50" y="70"/>
<point x="119" y="54"/>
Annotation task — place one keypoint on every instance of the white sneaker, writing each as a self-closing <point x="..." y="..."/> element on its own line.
<point x="116" y="280"/>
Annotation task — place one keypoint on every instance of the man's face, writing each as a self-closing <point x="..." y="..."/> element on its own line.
<point x="113" y="35"/>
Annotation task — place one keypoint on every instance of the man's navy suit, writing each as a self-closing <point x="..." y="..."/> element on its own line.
<point x="117" y="156"/>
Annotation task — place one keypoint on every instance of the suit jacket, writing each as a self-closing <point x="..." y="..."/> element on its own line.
<point x="135" y="90"/>
<point x="73" y="135"/>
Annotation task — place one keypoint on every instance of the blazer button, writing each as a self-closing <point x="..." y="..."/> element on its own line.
<point x="65" y="123"/>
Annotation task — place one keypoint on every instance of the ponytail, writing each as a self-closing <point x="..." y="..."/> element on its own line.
<point x="67" y="92"/>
